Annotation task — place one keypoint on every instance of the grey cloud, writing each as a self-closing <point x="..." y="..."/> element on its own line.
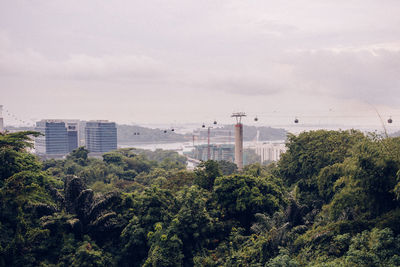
<point x="230" y="51"/>
<point x="243" y="83"/>
<point x="244" y="86"/>
<point x="128" y="67"/>
<point x="28" y="63"/>
<point x="366" y="74"/>
<point x="273" y="27"/>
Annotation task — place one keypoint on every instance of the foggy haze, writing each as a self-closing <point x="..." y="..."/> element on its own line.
<point x="196" y="61"/>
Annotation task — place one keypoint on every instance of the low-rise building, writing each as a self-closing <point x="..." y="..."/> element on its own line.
<point x="217" y="152"/>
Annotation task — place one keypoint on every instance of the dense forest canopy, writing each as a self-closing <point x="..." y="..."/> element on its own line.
<point x="332" y="200"/>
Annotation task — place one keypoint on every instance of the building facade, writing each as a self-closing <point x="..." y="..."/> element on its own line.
<point x="54" y="139"/>
<point x="72" y="135"/>
<point x="217" y="152"/>
<point x="101" y="136"/>
<point x="58" y="137"/>
<point x="269" y="152"/>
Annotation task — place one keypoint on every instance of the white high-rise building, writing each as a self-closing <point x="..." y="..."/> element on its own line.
<point x="270" y="151"/>
<point x="59" y="137"/>
<point x="101" y="136"/>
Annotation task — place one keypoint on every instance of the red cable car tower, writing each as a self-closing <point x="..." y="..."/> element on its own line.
<point x="239" y="139"/>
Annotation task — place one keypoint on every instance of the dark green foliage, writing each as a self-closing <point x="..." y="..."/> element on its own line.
<point x="193" y="223"/>
<point x="374" y="248"/>
<point x="227" y="167"/>
<point x="332" y="200"/>
<point x="309" y="152"/>
<point x="79" y="156"/>
<point x="113" y="158"/>
<point x="367" y="180"/>
<point x="177" y="180"/>
<point x="282" y="260"/>
<point x="206" y="173"/>
<point x="88" y="254"/>
<point x="242" y="196"/>
<point x="152" y="207"/>
<point x="17" y="141"/>
<point x="14" y="157"/>
<point x="166" y="249"/>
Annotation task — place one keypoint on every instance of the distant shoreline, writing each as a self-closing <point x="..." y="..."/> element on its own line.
<point x="149" y="142"/>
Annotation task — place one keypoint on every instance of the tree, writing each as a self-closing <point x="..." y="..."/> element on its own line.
<point x="227" y="167"/>
<point x="14" y="157"/>
<point x="166" y="249"/>
<point x="242" y="196"/>
<point x="308" y="154"/>
<point x="378" y="247"/>
<point x="89" y="254"/>
<point x="193" y="224"/>
<point x="365" y="187"/>
<point x="206" y="173"/>
<point x="152" y="207"/>
<point x="79" y="156"/>
<point x="114" y="157"/>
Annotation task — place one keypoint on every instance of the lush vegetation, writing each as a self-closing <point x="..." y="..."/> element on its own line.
<point x="332" y="200"/>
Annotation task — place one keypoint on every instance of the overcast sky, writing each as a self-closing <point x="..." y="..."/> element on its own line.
<point x="181" y="61"/>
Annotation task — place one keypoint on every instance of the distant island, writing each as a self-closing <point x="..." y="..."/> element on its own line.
<point x="135" y="134"/>
<point x="266" y="133"/>
<point x="128" y="134"/>
<point x="139" y="134"/>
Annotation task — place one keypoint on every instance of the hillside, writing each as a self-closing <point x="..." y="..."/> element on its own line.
<point x="265" y="133"/>
<point x="139" y="134"/>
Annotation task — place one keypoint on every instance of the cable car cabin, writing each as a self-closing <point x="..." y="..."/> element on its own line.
<point x="296" y="120"/>
<point x="215" y="122"/>
<point x="203" y="126"/>
<point x="390" y="120"/>
<point x="255" y="119"/>
<point x="172" y="129"/>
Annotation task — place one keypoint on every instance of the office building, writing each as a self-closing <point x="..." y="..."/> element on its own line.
<point x="59" y="137"/>
<point x="101" y="136"/>
<point x="54" y="138"/>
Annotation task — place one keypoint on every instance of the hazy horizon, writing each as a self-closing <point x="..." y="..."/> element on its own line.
<point x="175" y="62"/>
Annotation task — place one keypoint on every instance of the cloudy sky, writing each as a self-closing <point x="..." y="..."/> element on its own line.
<point x="192" y="61"/>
